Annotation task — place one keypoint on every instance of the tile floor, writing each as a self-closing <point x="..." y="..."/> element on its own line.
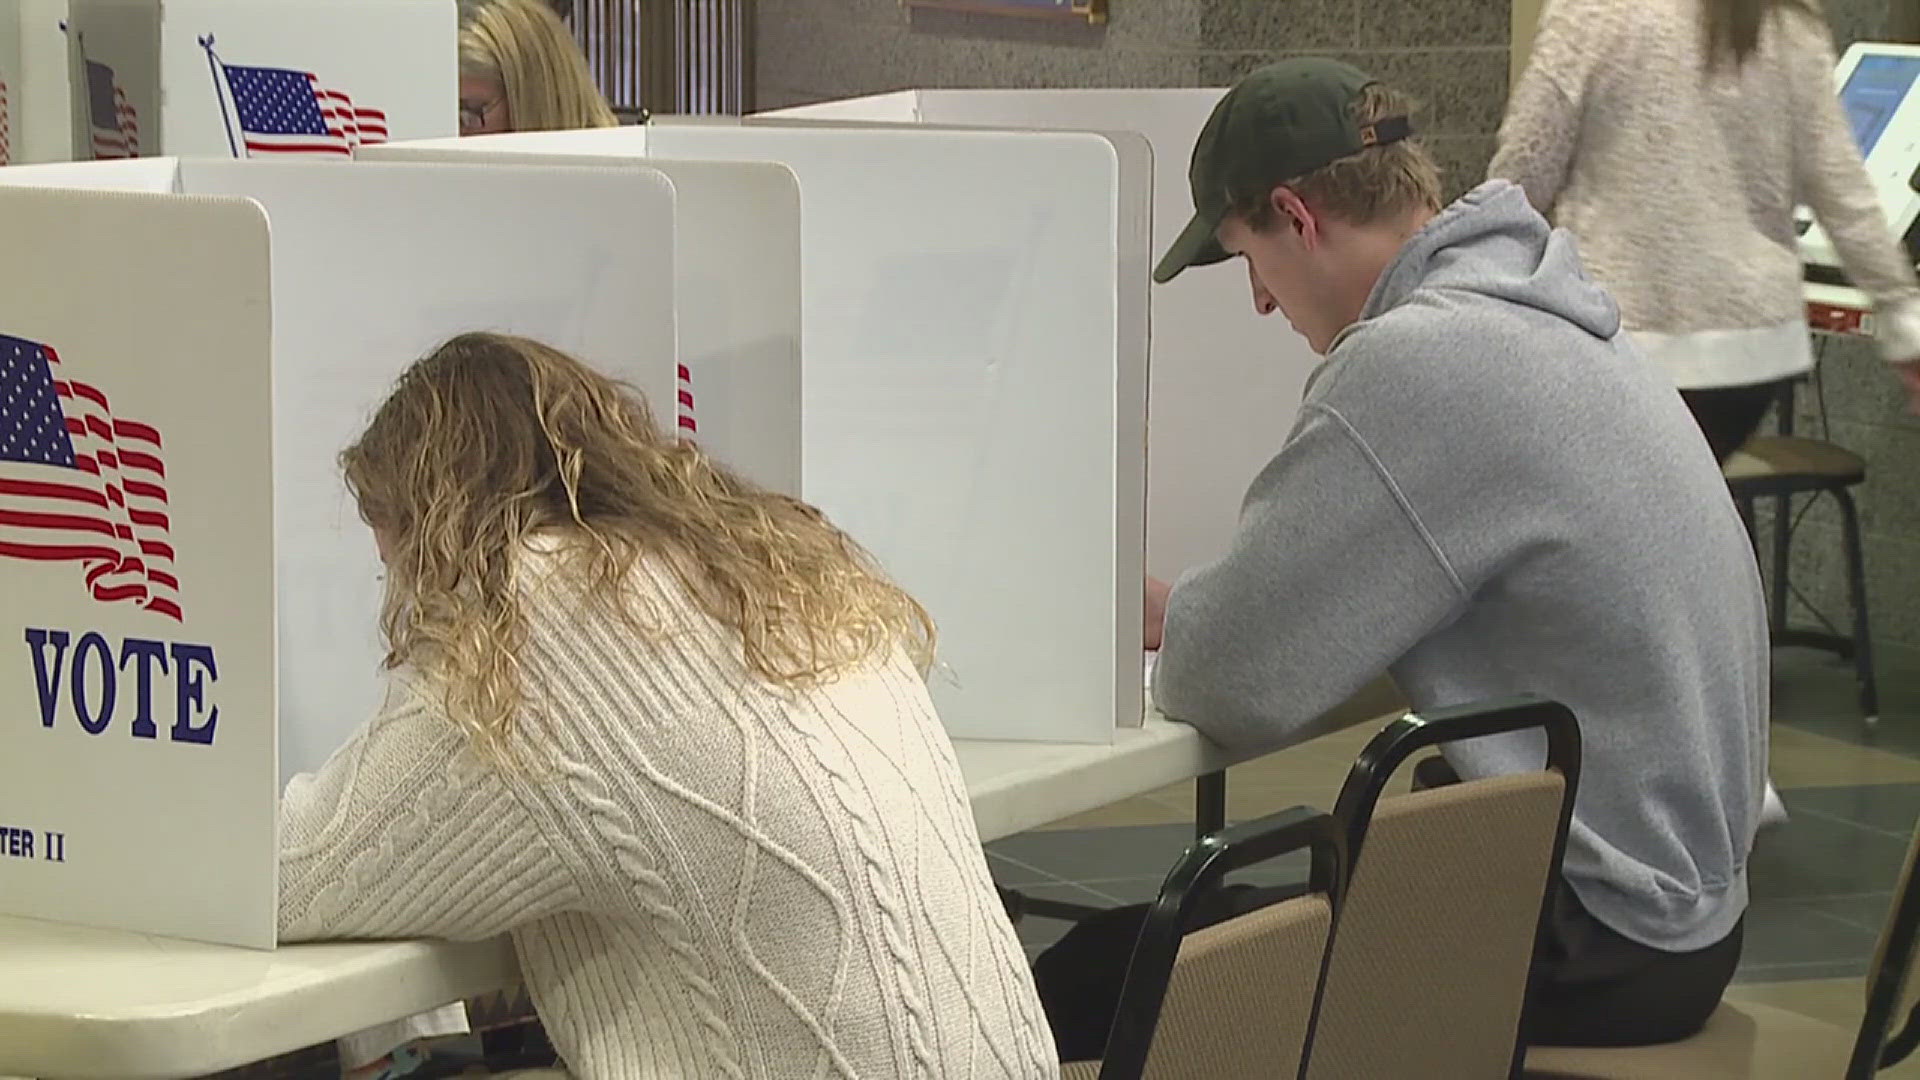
<point x="1821" y="884"/>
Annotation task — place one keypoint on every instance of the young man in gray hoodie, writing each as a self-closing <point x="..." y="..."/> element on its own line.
<point x="1486" y="492"/>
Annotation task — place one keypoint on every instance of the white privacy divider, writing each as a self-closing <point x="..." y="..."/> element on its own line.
<point x="897" y="107"/>
<point x="964" y="412"/>
<point x="737" y="287"/>
<point x="369" y="267"/>
<point x="241" y="78"/>
<point x="158" y="176"/>
<point x="136" y="560"/>
<point x="35" y="101"/>
<point x="371" y="270"/>
<point x="1225" y="383"/>
<point x="972" y="414"/>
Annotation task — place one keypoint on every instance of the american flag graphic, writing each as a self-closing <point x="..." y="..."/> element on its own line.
<point x="683" y="409"/>
<point x="116" y="127"/>
<point x="80" y="485"/>
<point x="282" y="111"/>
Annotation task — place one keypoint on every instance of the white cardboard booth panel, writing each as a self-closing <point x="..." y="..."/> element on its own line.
<point x="1225" y="383"/>
<point x="370" y="272"/>
<point x="963" y="412"/>
<point x="737" y="288"/>
<point x="369" y="267"/>
<point x="238" y="78"/>
<point x="35" y="100"/>
<point x="137" y="734"/>
<point x="964" y="415"/>
<point x="156" y="176"/>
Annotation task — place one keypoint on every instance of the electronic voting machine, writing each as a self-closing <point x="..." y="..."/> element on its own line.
<point x="1877" y="84"/>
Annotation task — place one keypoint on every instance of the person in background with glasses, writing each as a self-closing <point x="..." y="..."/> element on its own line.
<point x="520" y="70"/>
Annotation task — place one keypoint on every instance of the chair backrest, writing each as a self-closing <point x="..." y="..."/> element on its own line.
<point x="1428" y="974"/>
<point x="1893" y="982"/>
<point x="1241" y="999"/>
<point x="1236" y="998"/>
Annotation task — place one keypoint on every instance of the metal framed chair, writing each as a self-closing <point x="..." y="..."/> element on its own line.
<point x="1893" y="983"/>
<point x="1764" y="1043"/>
<point x="1236" y="998"/>
<point x="1428" y="973"/>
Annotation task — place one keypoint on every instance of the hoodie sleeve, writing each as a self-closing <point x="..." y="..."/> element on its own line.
<point x="1331" y="578"/>
<point x="1542" y="126"/>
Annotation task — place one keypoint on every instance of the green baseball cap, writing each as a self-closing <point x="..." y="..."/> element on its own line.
<point x="1279" y="123"/>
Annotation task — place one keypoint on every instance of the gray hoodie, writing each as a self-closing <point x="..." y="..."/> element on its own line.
<point x="1489" y="492"/>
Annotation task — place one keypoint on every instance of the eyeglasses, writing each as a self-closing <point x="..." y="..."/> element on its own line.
<point x="473" y="116"/>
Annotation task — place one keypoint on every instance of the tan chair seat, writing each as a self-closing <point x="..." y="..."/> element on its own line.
<point x="1777" y="456"/>
<point x="1741" y="1040"/>
<point x="1080" y="1070"/>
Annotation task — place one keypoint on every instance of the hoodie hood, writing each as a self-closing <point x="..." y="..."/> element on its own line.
<point x="1494" y="244"/>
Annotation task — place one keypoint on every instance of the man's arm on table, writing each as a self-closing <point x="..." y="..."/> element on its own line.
<point x="1377" y="700"/>
<point x="1331" y="578"/>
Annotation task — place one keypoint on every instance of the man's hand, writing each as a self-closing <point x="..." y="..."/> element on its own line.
<point x="1909" y="373"/>
<point x="1156" y="611"/>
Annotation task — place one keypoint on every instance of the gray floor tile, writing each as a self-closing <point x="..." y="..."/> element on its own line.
<point x="1287" y="872"/>
<point x="1098" y="854"/>
<point x="1817" y="854"/>
<point x="1897" y="732"/>
<point x="1887" y="808"/>
<point x="1133" y="890"/>
<point x="1786" y="936"/>
<point x="1015" y="874"/>
<point x="1868" y="912"/>
<point x="1064" y="892"/>
<point x="1812" y="969"/>
<point x="1815" y="692"/>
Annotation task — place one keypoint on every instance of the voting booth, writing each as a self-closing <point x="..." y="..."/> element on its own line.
<point x="35" y="105"/>
<point x="736" y="264"/>
<point x="973" y="383"/>
<point x="1225" y="382"/>
<point x="1876" y="83"/>
<point x="244" y="79"/>
<point x="189" y="587"/>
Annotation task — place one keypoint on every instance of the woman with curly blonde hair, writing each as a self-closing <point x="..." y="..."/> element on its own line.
<point x="665" y="729"/>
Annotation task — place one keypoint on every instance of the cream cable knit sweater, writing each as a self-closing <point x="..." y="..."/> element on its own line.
<point x="1681" y="185"/>
<point x="713" y="879"/>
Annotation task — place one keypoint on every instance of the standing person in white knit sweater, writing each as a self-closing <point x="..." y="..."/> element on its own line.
<point x="1674" y="139"/>
<point x="664" y="729"/>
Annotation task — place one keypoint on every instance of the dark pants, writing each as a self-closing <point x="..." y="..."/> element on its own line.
<point x="1591" y="986"/>
<point x="1728" y="416"/>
